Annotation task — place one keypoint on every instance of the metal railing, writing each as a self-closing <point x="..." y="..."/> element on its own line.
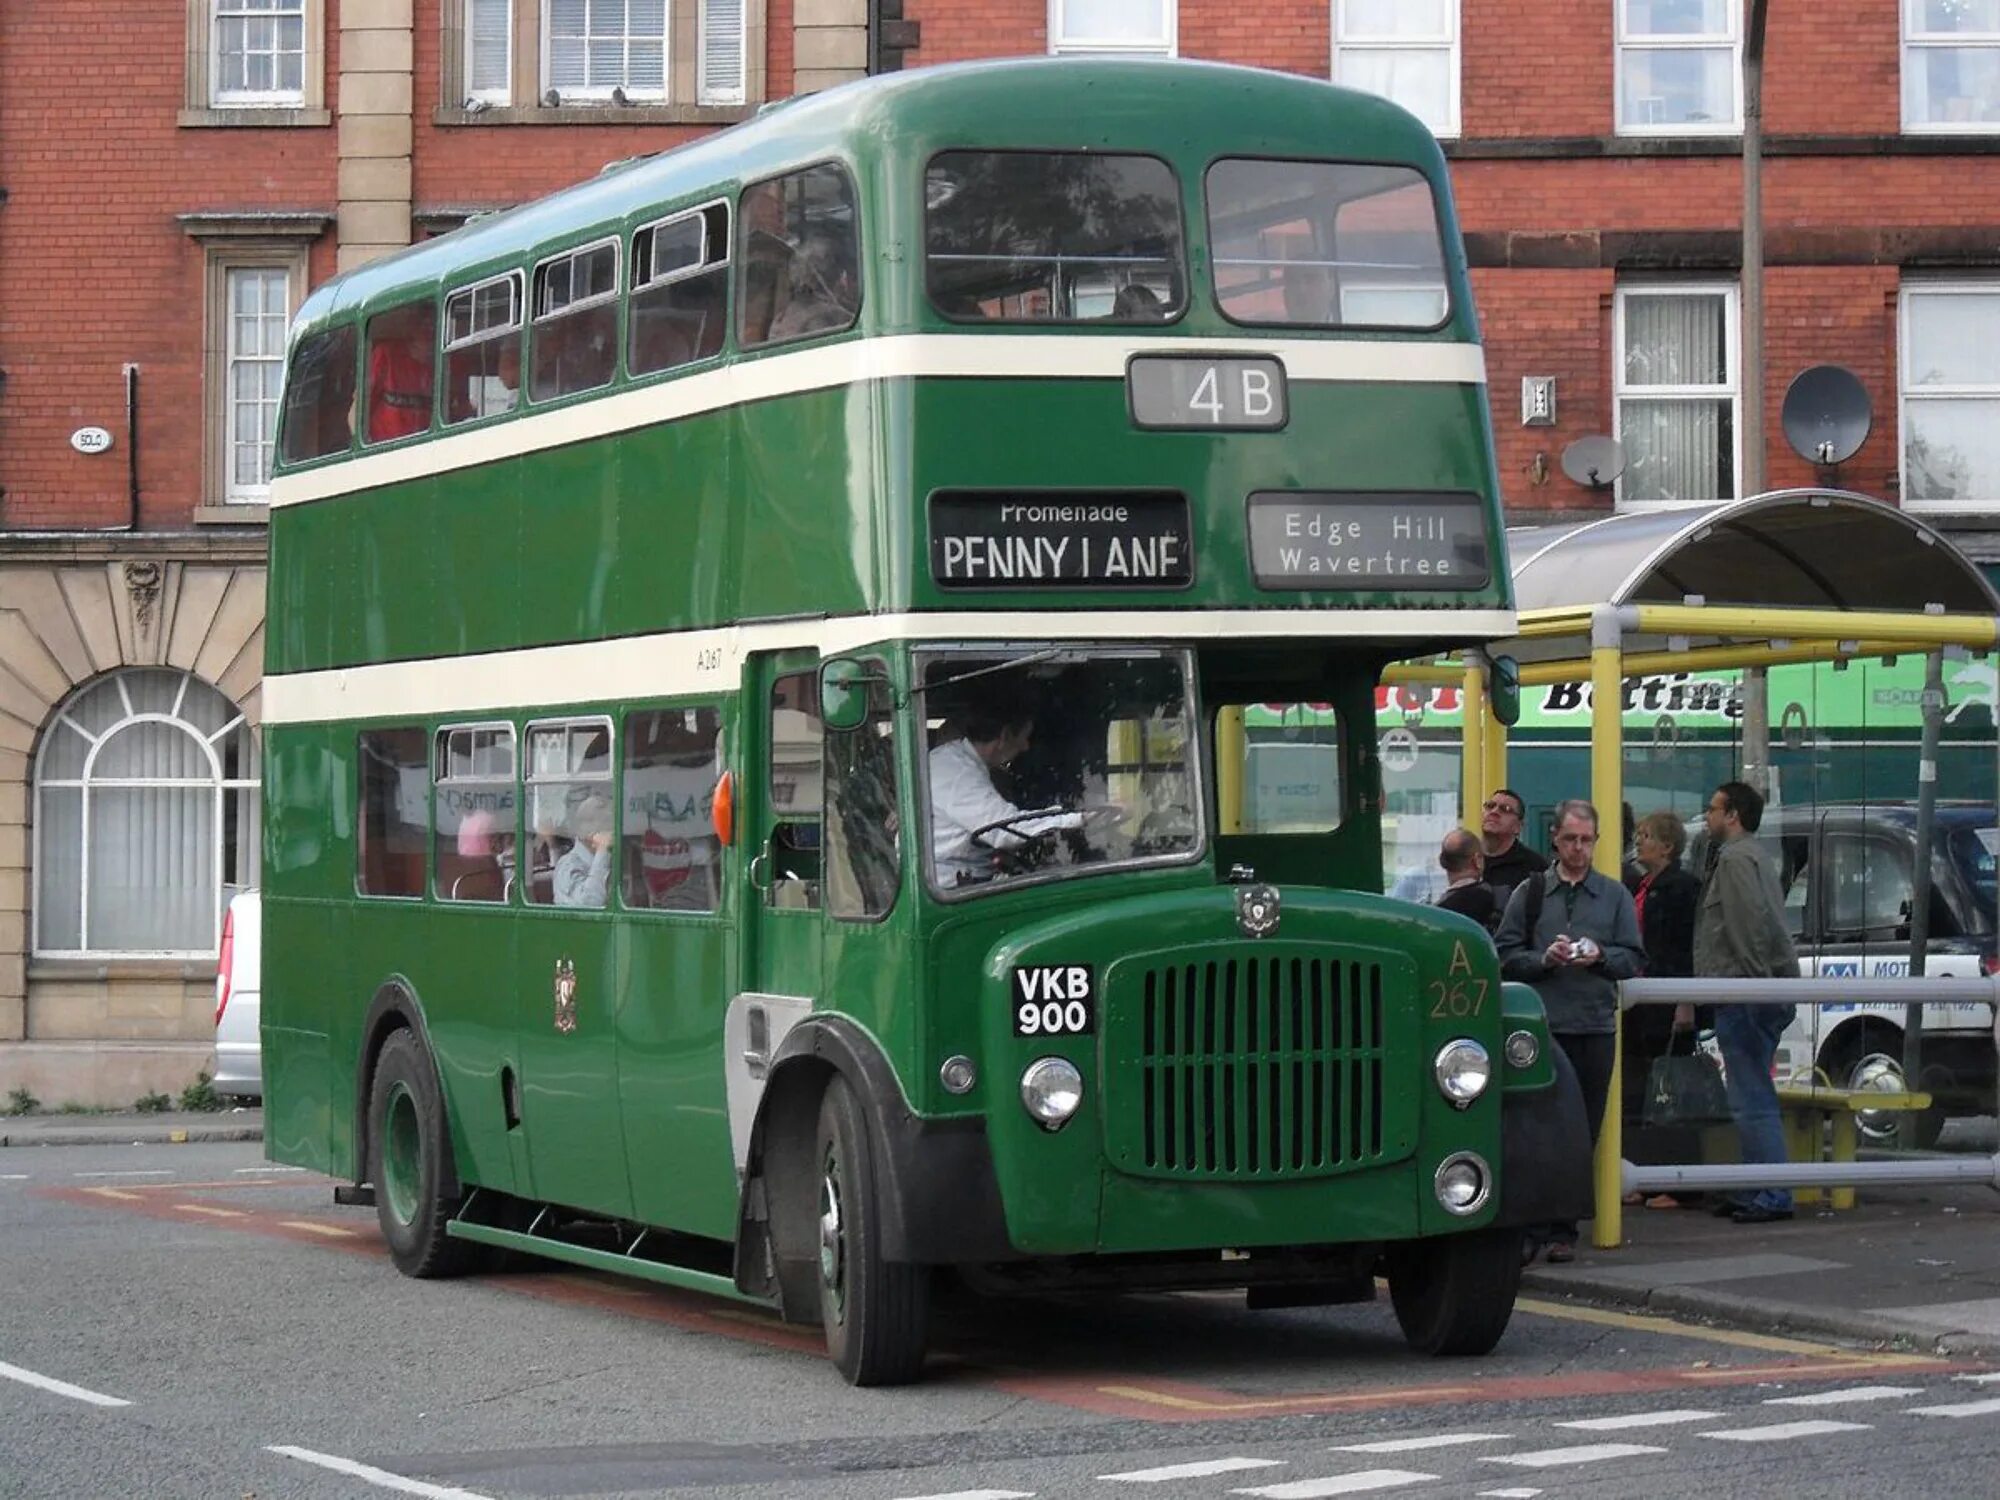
<point x="1615" y="1176"/>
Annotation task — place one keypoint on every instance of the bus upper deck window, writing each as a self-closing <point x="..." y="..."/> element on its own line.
<point x="482" y="349"/>
<point x="1053" y="237"/>
<point x="800" y="257"/>
<point x="319" y="396"/>
<point x="680" y="276"/>
<point x="1326" y="245"/>
<point x="402" y="355"/>
<point x="575" y="345"/>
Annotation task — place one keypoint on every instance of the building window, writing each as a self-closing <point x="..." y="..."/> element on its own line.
<point x="260" y="53"/>
<point x="602" y="49"/>
<point x="1680" y="67"/>
<point x="1950" y="391"/>
<point x="1404" y="50"/>
<point x="1127" y="26"/>
<point x="1951" y="65"/>
<point x="723" y="75"/>
<point x="1677" y="390"/>
<point x="489" y="51"/>
<point x="252" y="292"/>
<point x="145" y="817"/>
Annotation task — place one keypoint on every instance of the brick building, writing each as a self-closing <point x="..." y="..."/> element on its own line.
<point x="162" y="211"/>
<point x="165" y="209"/>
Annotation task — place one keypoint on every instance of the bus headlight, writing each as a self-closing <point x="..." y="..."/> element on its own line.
<point x="1463" y="1184"/>
<point x="1522" y="1049"/>
<point x="1462" y="1070"/>
<point x="1051" y="1091"/>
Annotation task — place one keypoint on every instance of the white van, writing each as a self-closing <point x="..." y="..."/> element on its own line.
<point x="239" y="1053"/>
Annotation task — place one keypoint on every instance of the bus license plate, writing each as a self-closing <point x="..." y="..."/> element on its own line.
<point x="1055" y="1000"/>
<point x="1194" y="391"/>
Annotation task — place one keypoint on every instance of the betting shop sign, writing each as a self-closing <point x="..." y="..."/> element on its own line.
<point x="984" y="539"/>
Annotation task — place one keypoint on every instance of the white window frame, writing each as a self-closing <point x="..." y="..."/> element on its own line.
<point x="603" y="94"/>
<point x="1731" y="389"/>
<point x="1916" y="42"/>
<point x="1703" y="42"/>
<point x="61" y="722"/>
<point x="235" y="492"/>
<point x="1447" y="41"/>
<point x="708" y="88"/>
<point x="1165" y="45"/>
<point x="223" y="98"/>
<point x="504" y="94"/>
<point x="1906" y="394"/>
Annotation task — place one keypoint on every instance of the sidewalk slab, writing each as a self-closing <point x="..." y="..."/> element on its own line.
<point x="166" y="1128"/>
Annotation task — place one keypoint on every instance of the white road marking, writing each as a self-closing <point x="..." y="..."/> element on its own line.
<point x="1852" y="1393"/>
<point x="245" y="1171"/>
<point x="1589" y="1453"/>
<point x="1339" y="1484"/>
<point x="1520" y="1494"/>
<point x="1986" y="1379"/>
<point x="1194" y="1470"/>
<point x="1783" y="1432"/>
<point x="1640" y="1419"/>
<point x="1958" y="1409"/>
<point x="13" y="1176"/>
<point x="157" y="1172"/>
<point x="59" y="1387"/>
<point x="979" y="1495"/>
<point x="1411" y="1445"/>
<point x="380" y="1477"/>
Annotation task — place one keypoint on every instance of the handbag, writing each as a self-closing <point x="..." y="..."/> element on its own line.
<point x="1685" y="1090"/>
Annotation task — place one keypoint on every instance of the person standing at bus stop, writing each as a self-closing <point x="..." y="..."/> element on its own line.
<point x="1573" y="934"/>
<point x="1740" y="933"/>
<point x="1508" y="860"/>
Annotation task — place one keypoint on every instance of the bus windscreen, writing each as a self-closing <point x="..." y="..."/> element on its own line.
<point x="1053" y="237"/>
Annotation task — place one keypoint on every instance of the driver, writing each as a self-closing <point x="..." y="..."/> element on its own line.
<point x="963" y="798"/>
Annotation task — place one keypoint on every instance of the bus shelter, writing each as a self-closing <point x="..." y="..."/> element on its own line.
<point x="1792" y="576"/>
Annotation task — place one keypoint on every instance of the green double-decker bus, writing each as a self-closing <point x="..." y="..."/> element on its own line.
<point x="819" y="716"/>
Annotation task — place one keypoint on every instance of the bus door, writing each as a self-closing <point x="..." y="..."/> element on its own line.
<point x="568" y="975"/>
<point x="786" y="749"/>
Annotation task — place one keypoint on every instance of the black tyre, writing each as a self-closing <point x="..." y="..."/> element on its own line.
<point x="409" y="1161"/>
<point x="876" y="1312"/>
<point x="1455" y="1294"/>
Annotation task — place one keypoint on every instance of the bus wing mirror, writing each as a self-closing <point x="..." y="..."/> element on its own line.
<point x="843" y="693"/>
<point x="1503" y="688"/>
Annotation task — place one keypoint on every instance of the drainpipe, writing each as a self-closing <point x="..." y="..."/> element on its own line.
<point x="1753" y="251"/>
<point x="132" y="446"/>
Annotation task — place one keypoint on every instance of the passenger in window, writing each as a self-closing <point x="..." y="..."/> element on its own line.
<point x="582" y="874"/>
<point x="488" y="850"/>
<point x="820" y="292"/>
<point x="1137" y="303"/>
<point x="399" y="374"/>
<point x="964" y="800"/>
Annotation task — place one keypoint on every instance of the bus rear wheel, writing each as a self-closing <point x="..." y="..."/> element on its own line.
<point x="1455" y="1294"/>
<point x="876" y="1311"/>
<point x="409" y="1161"/>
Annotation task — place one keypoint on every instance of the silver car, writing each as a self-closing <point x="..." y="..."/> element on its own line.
<point x="239" y="1056"/>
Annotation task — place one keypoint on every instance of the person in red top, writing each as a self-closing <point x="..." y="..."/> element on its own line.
<point x="399" y="373"/>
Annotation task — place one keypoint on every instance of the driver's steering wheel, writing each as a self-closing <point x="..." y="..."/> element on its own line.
<point x="1095" y="819"/>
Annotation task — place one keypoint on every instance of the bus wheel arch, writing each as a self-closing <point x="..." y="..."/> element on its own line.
<point x="410" y="1160"/>
<point x="394" y="1008"/>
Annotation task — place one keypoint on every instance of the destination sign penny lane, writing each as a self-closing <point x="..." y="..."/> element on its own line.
<point x="1318" y="539"/>
<point x="1136" y="539"/>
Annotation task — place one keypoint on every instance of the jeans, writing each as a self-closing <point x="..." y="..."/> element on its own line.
<point x="1589" y="1054"/>
<point x="1748" y="1036"/>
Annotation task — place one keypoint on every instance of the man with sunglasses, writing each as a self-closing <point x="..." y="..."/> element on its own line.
<point x="1508" y="860"/>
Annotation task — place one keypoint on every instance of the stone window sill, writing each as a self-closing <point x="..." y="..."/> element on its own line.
<point x="89" y="970"/>
<point x="256" y="119"/>
<point x="597" y="114"/>
<point x="232" y="515"/>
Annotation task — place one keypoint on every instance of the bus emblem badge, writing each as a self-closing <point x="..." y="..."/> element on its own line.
<point x="1257" y="910"/>
<point x="565" y="990"/>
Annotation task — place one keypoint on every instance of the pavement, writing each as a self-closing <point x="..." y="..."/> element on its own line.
<point x="1908" y="1267"/>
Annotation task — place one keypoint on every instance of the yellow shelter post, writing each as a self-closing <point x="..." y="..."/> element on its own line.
<point x="1230" y="754"/>
<point x="1474" y="724"/>
<point x="1607" y="790"/>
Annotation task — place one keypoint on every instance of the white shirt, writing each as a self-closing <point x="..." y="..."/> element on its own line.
<point x="582" y="876"/>
<point x="963" y="799"/>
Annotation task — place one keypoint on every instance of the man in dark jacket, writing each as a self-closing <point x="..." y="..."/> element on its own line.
<point x="1466" y="892"/>
<point x="1508" y="860"/>
<point x="1572" y="933"/>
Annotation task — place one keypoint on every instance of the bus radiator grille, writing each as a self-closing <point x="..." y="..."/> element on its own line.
<point x="1262" y="1068"/>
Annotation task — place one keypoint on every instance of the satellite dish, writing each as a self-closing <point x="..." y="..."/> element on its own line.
<point x="1594" y="462"/>
<point x="1826" y="415"/>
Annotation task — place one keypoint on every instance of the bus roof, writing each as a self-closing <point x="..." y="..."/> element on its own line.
<point x="1189" y="109"/>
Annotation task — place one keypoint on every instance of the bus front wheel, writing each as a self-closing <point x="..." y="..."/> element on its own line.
<point x="876" y="1311"/>
<point x="1454" y="1294"/>
<point x="409" y="1152"/>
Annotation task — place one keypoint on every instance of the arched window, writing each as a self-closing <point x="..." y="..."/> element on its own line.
<point x="145" y="817"/>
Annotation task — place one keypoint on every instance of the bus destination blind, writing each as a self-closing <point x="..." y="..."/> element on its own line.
<point x="1331" y="539"/>
<point x="1000" y="539"/>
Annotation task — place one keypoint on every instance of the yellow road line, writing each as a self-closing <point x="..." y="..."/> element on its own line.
<point x="1736" y="1338"/>
<point x="212" y="1210"/>
<point x="1189" y="1403"/>
<point x="121" y="1193"/>
<point x="331" y="1231"/>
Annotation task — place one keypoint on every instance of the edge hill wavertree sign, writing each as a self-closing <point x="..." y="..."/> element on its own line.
<point x="1317" y="538"/>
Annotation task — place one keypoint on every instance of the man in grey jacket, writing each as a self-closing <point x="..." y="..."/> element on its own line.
<point x="1572" y="934"/>
<point x="1740" y="933"/>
